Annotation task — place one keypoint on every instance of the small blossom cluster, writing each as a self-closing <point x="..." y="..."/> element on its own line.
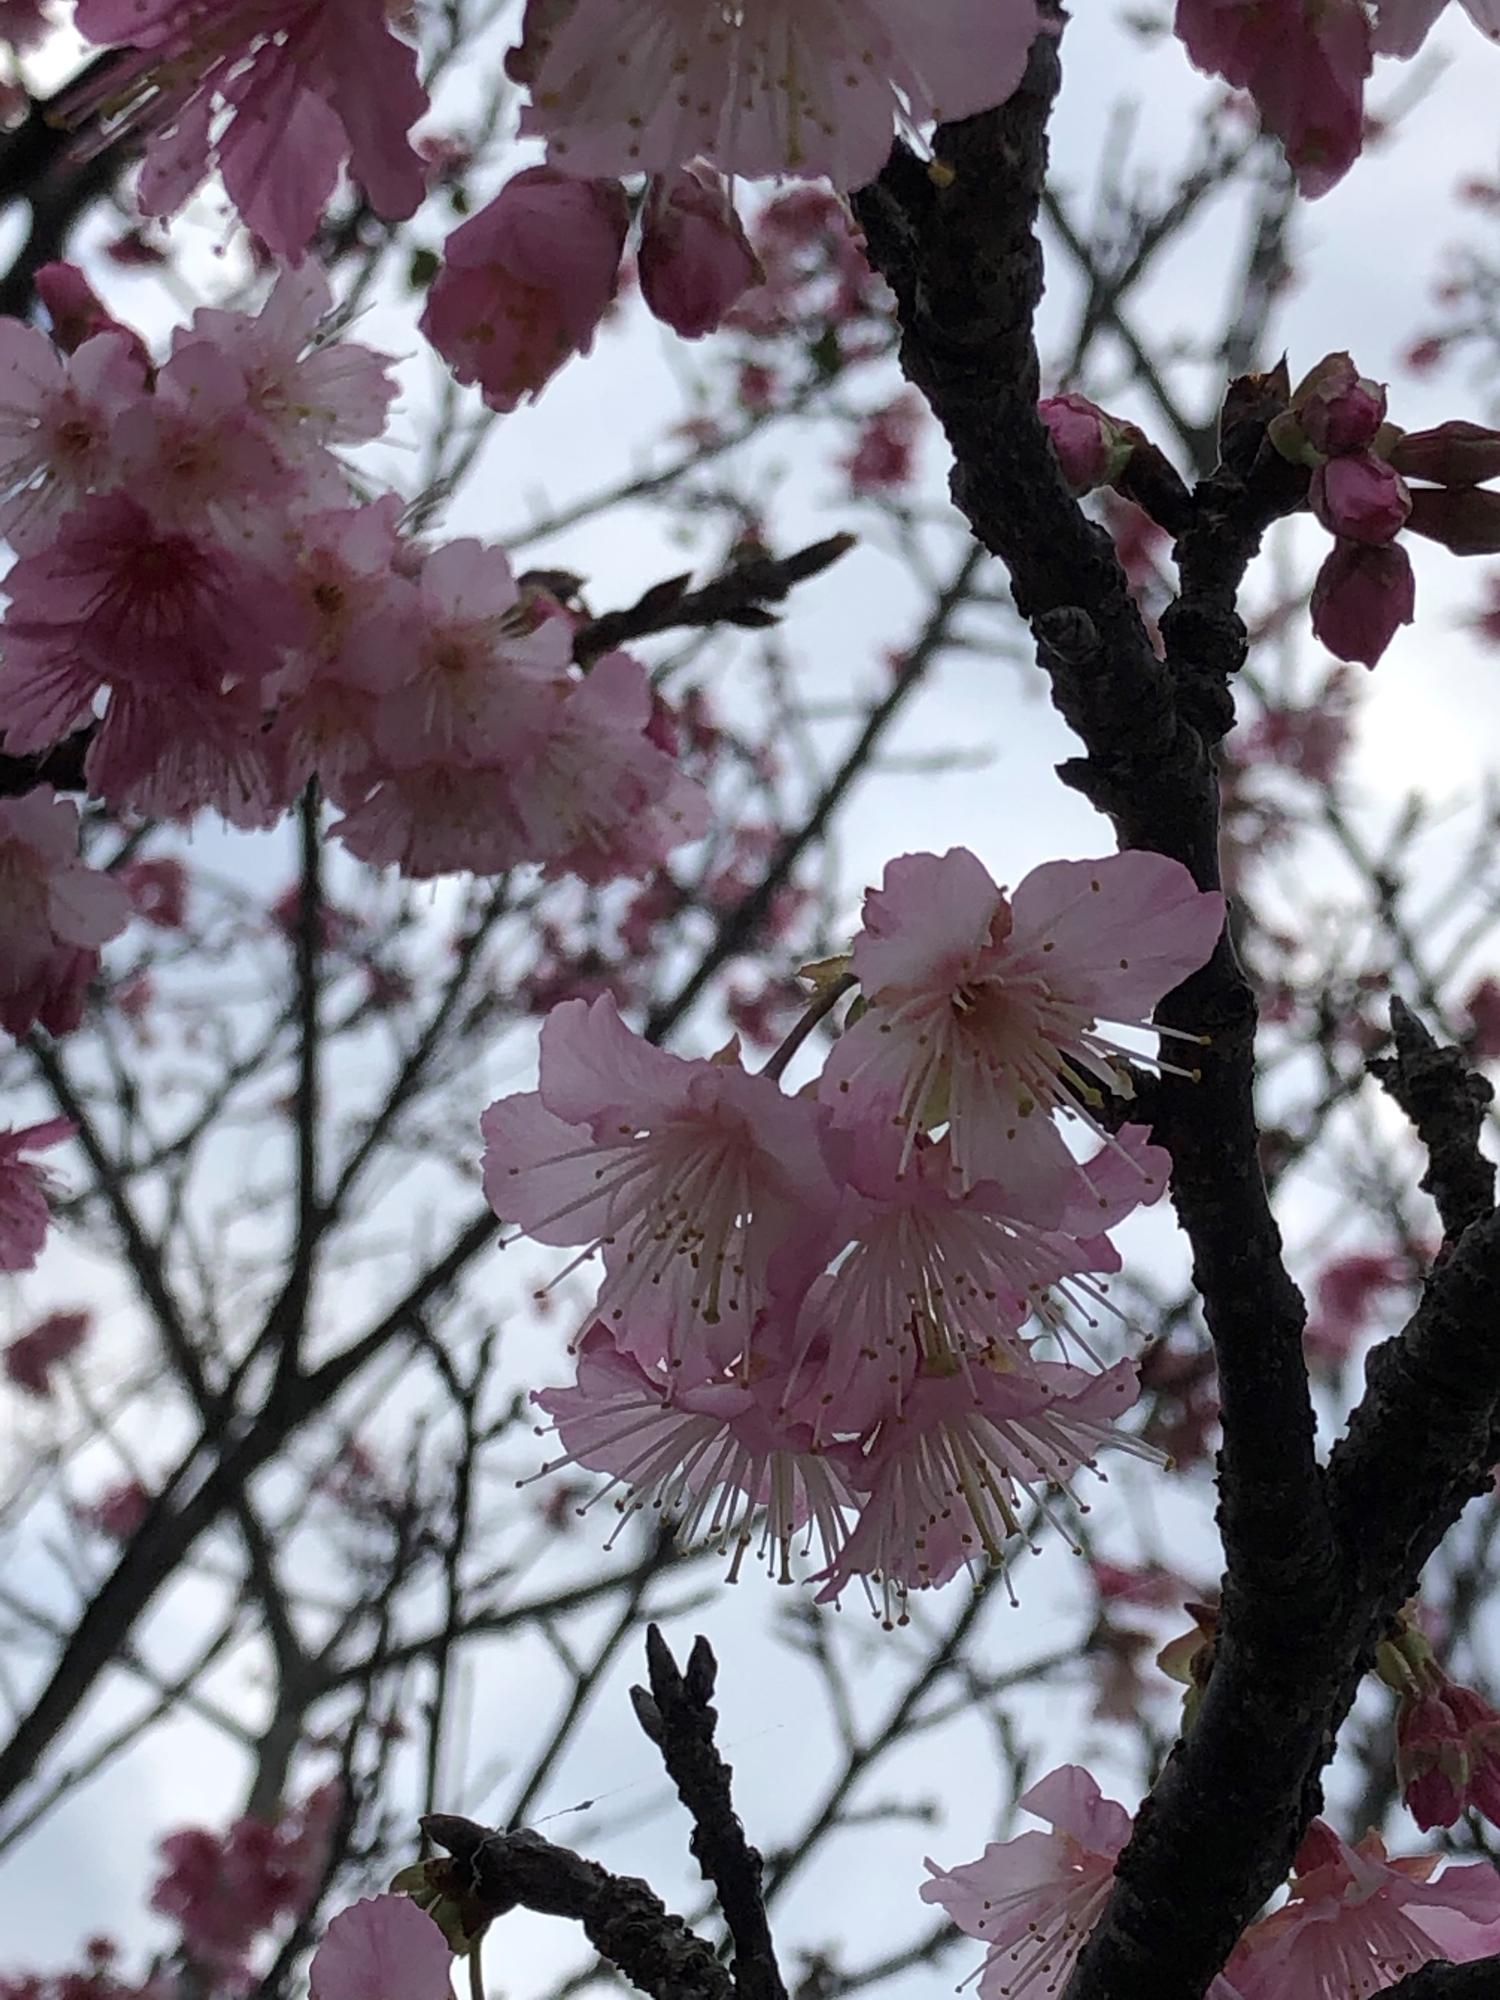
<point x="1336" y="423"/>
<point x="1354" y="1921"/>
<point x="224" y="1892"/>
<point x="196" y="588"/>
<point x="1447" y="1735"/>
<point x="525" y="283"/>
<point x="839" y="1314"/>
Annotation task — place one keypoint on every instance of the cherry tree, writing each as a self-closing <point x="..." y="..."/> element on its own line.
<point x="385" y="887"/>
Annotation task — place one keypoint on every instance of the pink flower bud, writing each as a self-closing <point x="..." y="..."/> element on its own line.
<point x="1339" y="409"/>
<point x="1432" y="1764"/>
<point x="1480" y="1725"/>
<point x="1451" y="454"/>
<point x="525" y="283"/>
<point x="1092" y="447"/>
<point x="1465" y="519"/>
<point x="695" y="260"/>
<point x="1360" y="498"/>
<point x="1363" y="592"/>
<point x="77" y="312"/>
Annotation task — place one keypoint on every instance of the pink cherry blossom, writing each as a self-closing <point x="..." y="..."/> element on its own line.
<point x="57" y="421"/>
<point x="1034" y="1899"/>
<point x="225" y="1891"/>
<point x="76" y="313"/>
<point x="23" y="22"/>
<point x="382" y="1948"/>
<point x="943" y="1482"/>
<point x="309" y="85"/>
<point x="598" y="798"/>
<point x="180" y="627"/>
<point x="704" y="1449"/>
<point x="1303" y="61"/>
<point x="52" y="906"/>
<point x="1356" y="1922"/>
<point x="24" y="1190"/>
<point x="305" y="390"/>
<point x="1432" y="1760"/>
<point x="925" y="1272"/>
<point x="1361" y="597"/>
<point x="687" y="1174"/>
<point x="157" y="886"/>
<point x="983" y="1011"/>
<point x="526" y="281"/>
<point x="695" y="259"/>
<point x="803" y="87"/>
<point x="30" y="1358"/>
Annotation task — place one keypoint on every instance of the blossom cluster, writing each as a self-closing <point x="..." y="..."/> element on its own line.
<point x="845" y="1313"/>
<point x="199" y="589"/>
<point x="1361" y="465"/>
<point x="1354" y="1921"/>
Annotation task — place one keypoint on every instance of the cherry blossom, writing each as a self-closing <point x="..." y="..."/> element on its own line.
<point x="57" y="420"/>
<point x="30" y="1358"/>
<point x="1363" y="594"/>
<point x="1034" y="1899"/>
<point x="1401" y="26"/>
<point x="686" y="1174"/>
<point x="55" y="911"/>
<point x="1357" y="1921"/>
<point x="309" y="85"/>
<point x="943" y="1481"/>
<point x="382" y="1948"/>
<point x="760" y="87"/>
<point x="704" y="1449"/>
<point x="24" y="1190"/>
<point x="526" y="281"/>
<point x="983" y="1010"/>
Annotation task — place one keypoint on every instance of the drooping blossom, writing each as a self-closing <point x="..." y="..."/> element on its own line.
<point x="30" y="1358"/>
<point x="1357" y="1921"/>
<point x="983" y="1010"/>
<point x="24" y="1190"/>
<point x="54" y="911"/>
<point x="944" y="1481"/>
<point x="277" y="94"/>
<point x="806" y="87"/>
<point x="695" y="260"/>
<point x="1304" y="62"/>
<point x="526" y="281"/>
<point x="382" y="1948"/>
<point x="701" y="1447"/>
<point x="1362" y="595"/>
<point x="686" y="1174"/>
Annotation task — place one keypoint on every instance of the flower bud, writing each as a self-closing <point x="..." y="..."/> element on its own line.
<point x="1432" y="1763"/>
<point x="1480" y="1725"/>
<point x="695" y="259"/>
<point x="1092" y="447"/>
<point x="1451" y="454"/>
<point x="1465" y="519"/>
<point x="1340" y="410"/>
<point x="1363" y="592"/>
<point x="1360" y="498"/>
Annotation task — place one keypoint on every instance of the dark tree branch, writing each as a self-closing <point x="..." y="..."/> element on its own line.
<point x="738" y="596"/>
<point x="1446" y="1103"/>
<point x="679" y="1717"/>
<point x="624" y="1920"/>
